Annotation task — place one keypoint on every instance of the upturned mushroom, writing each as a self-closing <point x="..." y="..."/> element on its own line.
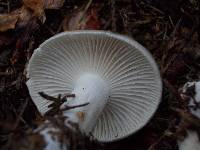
<point x="113" y="73"/>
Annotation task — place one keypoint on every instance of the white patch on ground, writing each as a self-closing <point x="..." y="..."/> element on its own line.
<point x="196" y="112"/>
<point x="191" y="142"/>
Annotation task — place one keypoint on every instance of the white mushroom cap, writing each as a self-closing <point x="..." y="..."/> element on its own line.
<point x="124" y="98"/>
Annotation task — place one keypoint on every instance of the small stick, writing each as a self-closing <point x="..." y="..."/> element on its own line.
<point x="84" y="11"/>
<point x="72" y="107"/>
<point x="68" y="95"/>
<point x="50" y="98"/>
<point x="113" y="17"/>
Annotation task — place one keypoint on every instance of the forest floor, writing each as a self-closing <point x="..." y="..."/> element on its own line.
<point x="169" y="29"/>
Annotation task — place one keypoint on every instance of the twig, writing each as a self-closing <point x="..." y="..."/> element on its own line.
<point x="172" y="23"/>
<point x="84" y="11"/>
<point x="69" y="95"/>
<point x="113" y="17"/>
<point x="165" y="68"/>
<point x="47" y="97"/>
<point x="72" y="107"/>
<point x="30" y="47"/>
<point x="140" y="22"/>
<point x="165" y="32"/>
<point x="57" y="102"/>
<point x="172" y="39"/>
<point x="51" y="98"/>
<point x="176" y="27"/>
<point x="106" y="25"/>
<point x="50" y="30"/>
<point x="19" y="117"/>
<point x="155" y="9"/>
<point x="5" y="73"/>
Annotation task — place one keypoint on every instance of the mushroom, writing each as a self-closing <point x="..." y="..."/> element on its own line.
<point x="113" y="73"/>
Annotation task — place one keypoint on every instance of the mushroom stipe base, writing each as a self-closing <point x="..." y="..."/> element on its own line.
<point x="92" y="89"/>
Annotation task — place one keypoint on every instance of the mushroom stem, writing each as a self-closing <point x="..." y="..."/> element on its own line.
<point x="89" y="88"/>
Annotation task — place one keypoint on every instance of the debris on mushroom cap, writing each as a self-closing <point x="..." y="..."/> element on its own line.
<point x="115" y="74"/>
<point x="81" y="115"/>
<point x="191" y="142"/>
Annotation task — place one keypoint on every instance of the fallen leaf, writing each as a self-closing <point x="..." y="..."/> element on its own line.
<point x="36" y="6"/>
<point x="8" y="21"/>
<point x="31" y="8"/>
<point x="24" y="17"/>
<point x="20" y="17"/>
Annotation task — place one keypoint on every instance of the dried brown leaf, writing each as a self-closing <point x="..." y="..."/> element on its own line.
<point x="36" y="6"/>
<point x="8" y="21"/>
<point x="30" y="9"/>
<point x="19" y="18"/>
<point x="24" y="16"/>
